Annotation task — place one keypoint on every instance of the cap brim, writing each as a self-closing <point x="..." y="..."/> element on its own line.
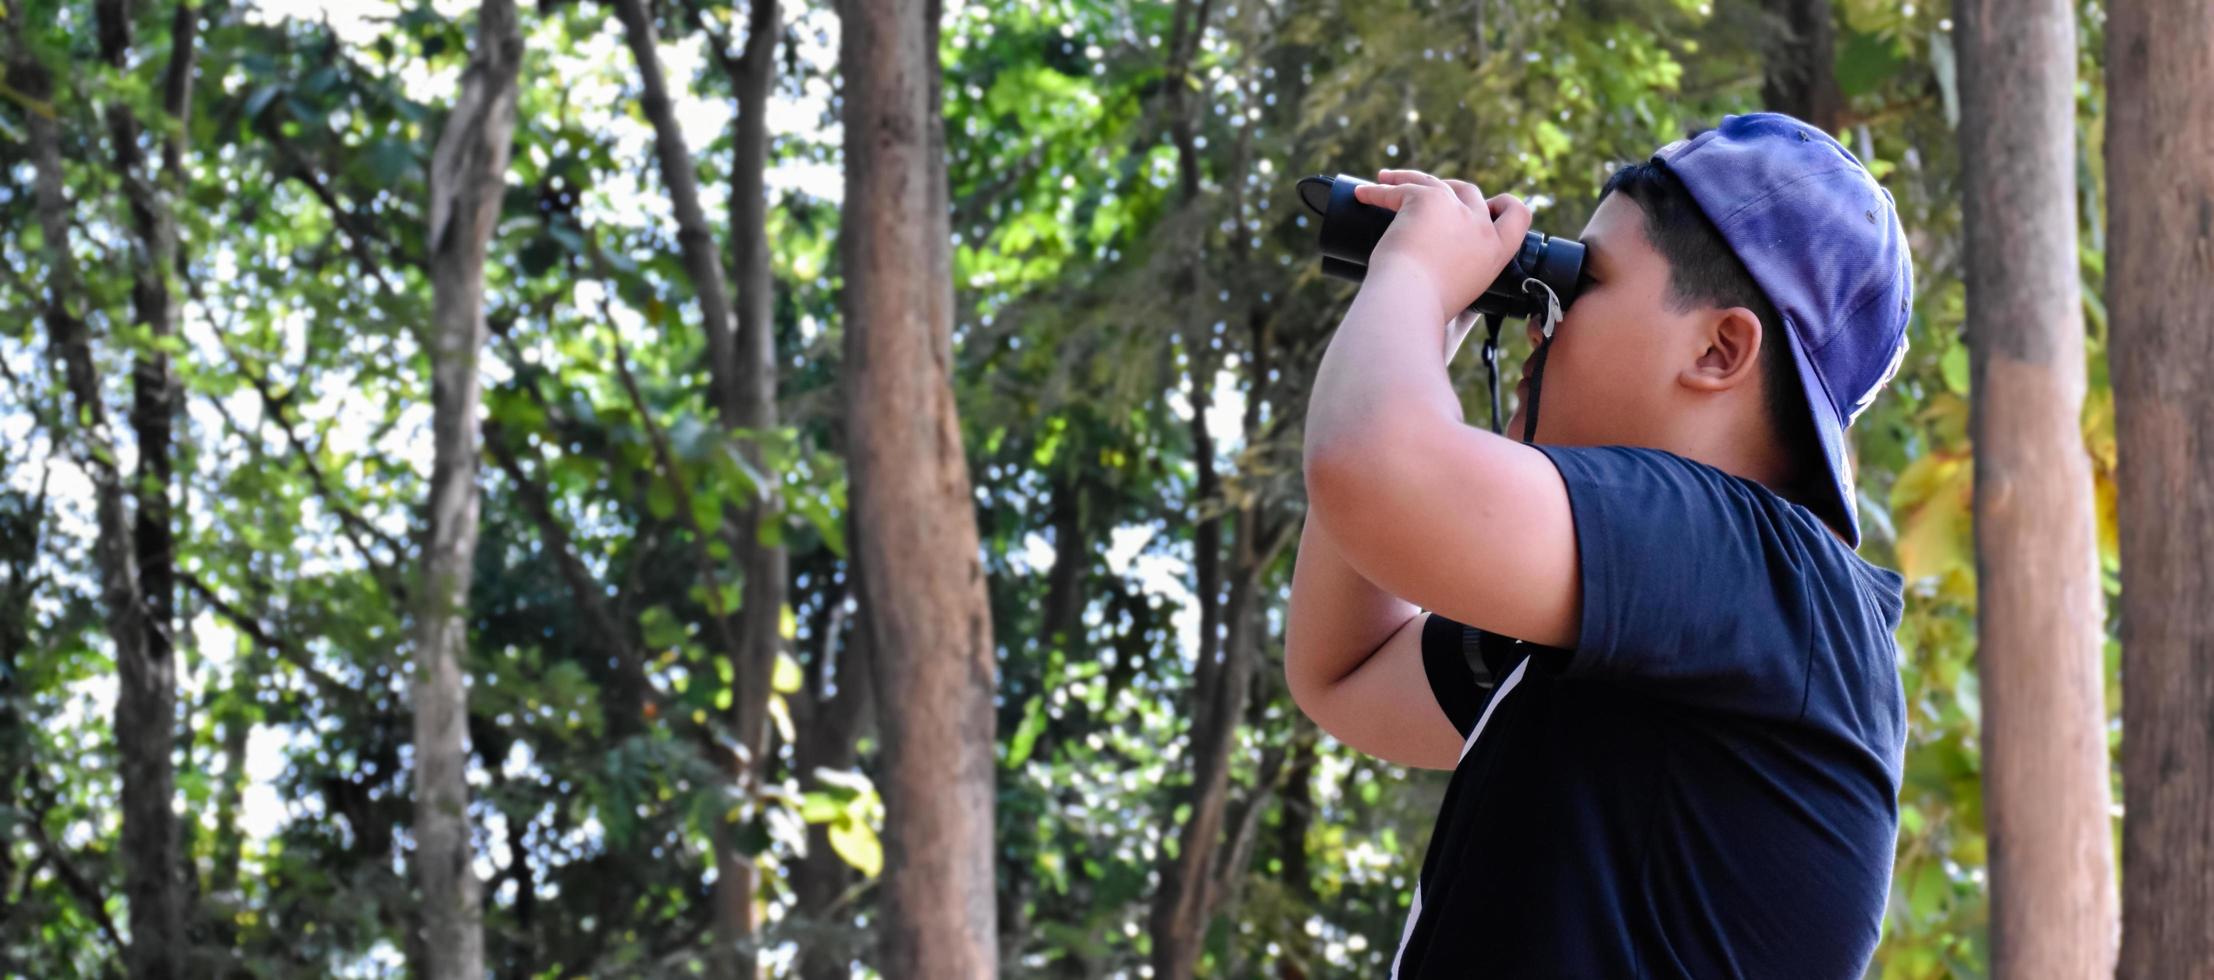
<point x="1838" y="505"/>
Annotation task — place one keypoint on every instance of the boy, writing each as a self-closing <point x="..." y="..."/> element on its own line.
<point x="1685" y="761"/>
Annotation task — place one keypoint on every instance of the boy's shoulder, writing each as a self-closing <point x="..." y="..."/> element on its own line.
<point x="1685" y="502"/>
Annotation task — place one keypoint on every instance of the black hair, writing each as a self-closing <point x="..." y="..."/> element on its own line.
<point x="1703" y="271"/>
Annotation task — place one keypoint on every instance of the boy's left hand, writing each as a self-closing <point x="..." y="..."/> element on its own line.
<point x="1446" y="232"/>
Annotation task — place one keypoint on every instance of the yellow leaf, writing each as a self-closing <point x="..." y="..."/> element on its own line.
<point x="783" y="718"/>
<point x="1922" y="478"/>
<point x="855" y="841"/>
<point x="1934" y="498"/>
<point x="787" y="677"/>
<point x="2110" y="534"/>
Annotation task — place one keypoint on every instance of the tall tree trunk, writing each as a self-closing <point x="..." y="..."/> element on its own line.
<point x="767" y="566"/>
<point x="1293" y="823"/>
<point x="1799" y="61"/>
<point x="696" y="243"/>
<point x="468" y="171"/>
<point x="21" y="519"/>
<point x="829" y="733"/>
<point x="2039" y="617"/>
<point x="742" y="369"/>
<point x="1060" y="630"/>
<point x="1222" y="669"/>
<point x="1196" y="881"/>
<point x="142" y="733"/>
<point x="146" y="702"/>
<point x="1191" y="883"/>
<point x="930" y="624"/>
<point x="2160" y="292"/>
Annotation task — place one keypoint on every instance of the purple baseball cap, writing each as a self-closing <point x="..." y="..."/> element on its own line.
<point x="1823" y="240"/>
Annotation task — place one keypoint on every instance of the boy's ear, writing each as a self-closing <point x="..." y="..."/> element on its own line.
<point x="1730" y="351"/>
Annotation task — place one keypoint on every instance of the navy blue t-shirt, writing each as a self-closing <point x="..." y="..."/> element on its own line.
<point x="1707" y="786"/>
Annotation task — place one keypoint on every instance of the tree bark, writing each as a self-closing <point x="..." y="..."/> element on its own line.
<point x="828" y="739"/>
<point x="2160" y="293"/>
<point x="696" y="244"/>
<point x="1799" y="63"/>
<point x="742" y="371"/>
<point x="930" y="625"/>
<point x="1061" y="633"/>
<point x="767" y="566"/>
<point x="21" y="519"/>
<point x="146" y="702"/>
<point x="2040" y="620"/>
<point x="144" y="683"/>
<point x="1192" y="887"/>
<point x="467" y="176"/>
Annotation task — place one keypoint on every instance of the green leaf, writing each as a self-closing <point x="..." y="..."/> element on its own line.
<point x="260" y="100"/>
<point x="786" y="678"/>
<point x="389" y="160"/>
<point x="661" y="627"/>
<point x="1954" y="365"/>
<point x="1866" y="62"/>
<point x="708" y="511"/>
<point x="1026" y="733"/>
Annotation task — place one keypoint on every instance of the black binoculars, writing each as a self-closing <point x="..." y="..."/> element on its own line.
<point x="1351" y="229"/>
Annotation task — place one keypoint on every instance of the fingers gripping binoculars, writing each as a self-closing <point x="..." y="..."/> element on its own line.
<point x="1538" y="282"/>
<point x="1350" y="231"/>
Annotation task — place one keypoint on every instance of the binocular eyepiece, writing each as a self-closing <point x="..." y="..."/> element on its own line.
<point x="1351" y="229"/>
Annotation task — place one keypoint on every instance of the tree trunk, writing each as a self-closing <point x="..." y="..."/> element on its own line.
<point x="142" y="733"/>
<point x="146" y="699"/>
<point x="767" y="567"/>
<point x="930" y="625"/>
<point x="1189" y="892"/>
<point x="742" y="370"/>
<point x="21" y="519"/>
<point x="468" y="171"/>
<point x="2160" y="292"/>
<point x="1799" y="61"/>
<point x="2039" y="616"/>
<point x="1061" y="632"/>
<point x="1297" y="817"/>
<point x="828" y="739"/>
<point x="696" y="243"/>
<point x="1222" y="669"/>
<point x="1299" y="811"/>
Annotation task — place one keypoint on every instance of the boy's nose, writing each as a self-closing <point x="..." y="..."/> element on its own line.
<point x="1534" y="329"/>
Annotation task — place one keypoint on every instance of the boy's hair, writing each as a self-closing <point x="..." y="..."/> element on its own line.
<point x="1703" y="271"/>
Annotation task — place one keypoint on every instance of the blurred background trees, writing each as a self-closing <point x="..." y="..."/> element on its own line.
<point x="705" y="729"/>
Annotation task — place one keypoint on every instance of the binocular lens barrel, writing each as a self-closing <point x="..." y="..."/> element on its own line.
<point x="1350" y="231"/>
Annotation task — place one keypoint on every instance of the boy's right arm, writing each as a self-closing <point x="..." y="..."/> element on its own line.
<point x="1353" y="661"/>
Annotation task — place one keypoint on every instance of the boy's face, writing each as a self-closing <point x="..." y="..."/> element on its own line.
<point x="1611" y="374"/>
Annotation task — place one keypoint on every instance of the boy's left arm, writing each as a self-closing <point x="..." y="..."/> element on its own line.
<point x="1449" y="517"/>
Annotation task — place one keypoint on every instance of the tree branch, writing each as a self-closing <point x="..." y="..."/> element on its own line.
<point x="250" y="625"/>
<point x="536" y="503"/>
<point x="667" y="459"/>
<point x="356" y="526"/>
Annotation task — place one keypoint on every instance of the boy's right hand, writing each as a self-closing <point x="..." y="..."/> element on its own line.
<point x="1446" y="232"/>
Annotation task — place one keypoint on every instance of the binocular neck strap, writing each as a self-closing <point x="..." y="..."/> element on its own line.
<point x="1537" y="373"/>
<point x="1537" y="378"/>
<point x="1491" y="368"/>
<point x="1552" y="313"/>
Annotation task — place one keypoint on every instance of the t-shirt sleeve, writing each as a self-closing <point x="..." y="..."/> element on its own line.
<point x="1445" y="648"/>
<point x="1698" y="587"/>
